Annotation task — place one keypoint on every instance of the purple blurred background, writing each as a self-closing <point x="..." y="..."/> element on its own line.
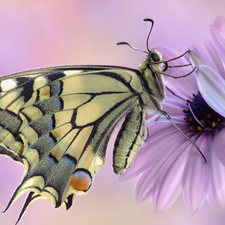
<point x="46" y="33"/>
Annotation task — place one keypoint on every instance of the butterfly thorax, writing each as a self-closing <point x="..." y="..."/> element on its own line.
<point x="153" y="86"/>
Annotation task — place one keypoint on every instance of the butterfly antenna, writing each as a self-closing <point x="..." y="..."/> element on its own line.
<point x="152" y="21"/>
<point x="136" y="49"/>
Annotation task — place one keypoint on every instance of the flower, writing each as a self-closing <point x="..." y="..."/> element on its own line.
<point x="168" y="164"/>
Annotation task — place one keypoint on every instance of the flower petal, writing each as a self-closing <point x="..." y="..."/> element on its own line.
<point x="216" y="195"/>
<point x="168" y="185"/>
<point x="218" y="144"/>
<point x="146" y="181"/>
<point x="220" y="24"/>
<point x="196" y="59"/>
<point x="154" y="148"/>
<point x="174" y="106"/>
<point x="218" y="39"/>
<point x="212" y="86"/>
<point x="211" y="57"/>
<point x="152" y="174"/>
<point x="197" y="175"/>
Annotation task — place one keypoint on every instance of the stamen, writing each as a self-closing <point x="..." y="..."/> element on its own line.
<point x="199" y="113"/>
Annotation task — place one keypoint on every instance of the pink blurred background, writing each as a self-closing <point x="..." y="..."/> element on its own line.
<point x="43" y="33"/>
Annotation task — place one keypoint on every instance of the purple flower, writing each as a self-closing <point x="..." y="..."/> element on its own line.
<point x="168" y="164"/>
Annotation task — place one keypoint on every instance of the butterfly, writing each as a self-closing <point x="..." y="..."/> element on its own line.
<point x="57" y="122"/>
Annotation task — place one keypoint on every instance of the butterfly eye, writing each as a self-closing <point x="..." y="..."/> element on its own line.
<point x="155" y="57"/>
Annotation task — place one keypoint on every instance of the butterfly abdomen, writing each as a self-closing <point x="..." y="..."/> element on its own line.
<point x="129" y="139"/>
<point x="133" y="130"/>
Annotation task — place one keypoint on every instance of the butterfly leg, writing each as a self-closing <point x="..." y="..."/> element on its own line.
<point x="193" y="143"/>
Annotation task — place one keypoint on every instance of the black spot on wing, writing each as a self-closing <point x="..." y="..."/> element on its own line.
<point x="27" y="90"/>
<point x="73" y="118"/>
<point x="50" y="105"/>
<point x="52" y="138"/>
<point x="10" y="121"/>
<point x="38" y="95"/>
<point x="52" y="122"/>
<point x="55" y="75"/>
<point x="60" y="104"/>
<point x="70" y="160"/>
<point x="59" y="87"/>
<point x="22" y="80"/>
<point x="117" y="77"/>
<point x="69" y="201"/>
<point x="52" y="158"/>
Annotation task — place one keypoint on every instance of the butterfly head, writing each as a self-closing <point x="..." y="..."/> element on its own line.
<point x="154" y="57"/>
<point x="155" y="61"/>
<point x="150" y="71"/>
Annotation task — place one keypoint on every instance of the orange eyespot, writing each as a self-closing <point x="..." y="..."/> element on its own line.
<point x="81" y="180"/>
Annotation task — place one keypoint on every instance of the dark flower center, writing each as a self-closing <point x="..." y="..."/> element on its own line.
<point x="200" y="117"/>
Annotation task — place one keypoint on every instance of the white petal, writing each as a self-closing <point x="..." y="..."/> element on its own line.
<point x="211" y="56"/>
<point x="212" y="88"/>
<point x="196" y="59"/>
